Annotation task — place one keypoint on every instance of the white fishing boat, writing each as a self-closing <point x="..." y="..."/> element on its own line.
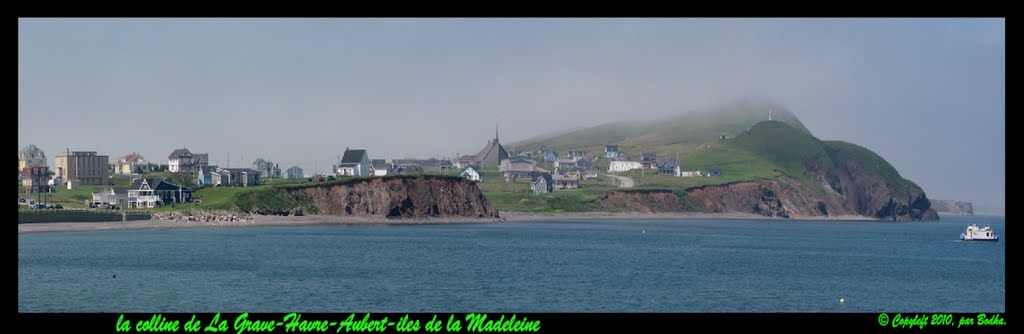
<point x="979" y="233"/>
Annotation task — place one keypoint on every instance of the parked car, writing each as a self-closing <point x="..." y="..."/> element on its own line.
<point x="21" y="200"/>
<point x="38" y="206"/>
<point x="56" y="207"/>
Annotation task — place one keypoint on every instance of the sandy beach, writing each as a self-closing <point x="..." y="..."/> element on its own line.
<point x="341" y="221"/>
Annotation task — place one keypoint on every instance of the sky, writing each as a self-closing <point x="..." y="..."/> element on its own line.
<point x="928" y="95"/>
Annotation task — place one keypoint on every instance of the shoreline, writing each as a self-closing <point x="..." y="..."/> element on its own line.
<point x="323" y="220"/>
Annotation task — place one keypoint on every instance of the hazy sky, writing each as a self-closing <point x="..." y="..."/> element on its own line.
<point x="928" y="95"/>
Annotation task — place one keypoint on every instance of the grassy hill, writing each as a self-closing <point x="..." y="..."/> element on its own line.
<point x="667" y="136"/>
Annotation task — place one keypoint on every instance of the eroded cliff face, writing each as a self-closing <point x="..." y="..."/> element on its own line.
<point x="777" y="198"/>
<point x="398" y="197"/>
<point x="847" y="189"/>
<point x="646" y="201"/>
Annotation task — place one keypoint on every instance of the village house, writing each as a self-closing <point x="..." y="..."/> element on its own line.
<point x="268" y="169"/>
<point x="294" y="172"/>
<point x="30" y="155"/>
<point x="611" y="151"/>
<point x="622" y="166"/>
<point x="200" y="160"/>
<point x="151" y="193"/>
<point x="576" y="155"/>
<point x="132" y="163"/>
<point x="565" y="163"/>
<point x="550" y="156"/>
<point x="355" y="163"/>
<point x="590" y="173"/>
<point x="670" y="167"/>
<point x="34" y="179"/>
<point x="82" y="168"/>
<point x="471" y="173"/>
<point x="648" y="160"/>
<point x="204" y="175"/>
<point x="380" y="167"/>
<point x="235" y="177"/>
<point x="463" y="161"/>
<point x="562" y="182"/>
<point x="512" y="169"/>
<point x="112" y="195"/>
<point x="180" y="160"/>
<point x="542" y="183"/>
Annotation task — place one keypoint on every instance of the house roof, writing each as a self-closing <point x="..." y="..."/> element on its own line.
<point x="648" y="156"/>
<point x="668" y="164"/>
<point x="205" y="157"/>
<point x="353" y="156"/>
<point x="156" y="184"/>
<point x="179" y="153"/>
<point x="294" y="168"/>
<point x="128" y="158"/>
<point x="238" y="170"/>
<point x="348" y="164"/>
<point x="545" y="176"/>
<point x="492" y="153"/>
<point x="611" y="148"/>
<point x="31" y="152"/>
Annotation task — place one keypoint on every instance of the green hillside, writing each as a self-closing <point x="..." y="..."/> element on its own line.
<point x="667" y="136"/>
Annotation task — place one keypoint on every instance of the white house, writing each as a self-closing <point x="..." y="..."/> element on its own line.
<point x="380" y="167"/>
<point x="180" y="161"/>
<point x="471" y="174"/>
<point x="114" y="195"/>
<point x="622" y="166"/>
<point x="355" y="163"/>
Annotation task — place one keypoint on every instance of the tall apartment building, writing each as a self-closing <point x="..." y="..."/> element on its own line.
<point x="82" y="167"/>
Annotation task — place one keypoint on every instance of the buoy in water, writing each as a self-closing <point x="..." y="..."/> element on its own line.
<point x="644" y="231"/>
<point x="842" y="301"/>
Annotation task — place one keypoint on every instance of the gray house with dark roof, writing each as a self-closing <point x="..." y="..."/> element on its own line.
<point x="355" y="163"/>
<point x="542" y="183"/>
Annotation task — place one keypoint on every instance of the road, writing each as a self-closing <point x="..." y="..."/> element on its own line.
<point x="624" y="182"/>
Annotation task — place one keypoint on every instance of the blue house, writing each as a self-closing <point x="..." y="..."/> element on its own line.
<point x="204" y="176"/>
<point x="550" y="156"/>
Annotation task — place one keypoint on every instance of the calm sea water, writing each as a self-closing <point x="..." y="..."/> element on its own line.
<point x="559" y="266"/>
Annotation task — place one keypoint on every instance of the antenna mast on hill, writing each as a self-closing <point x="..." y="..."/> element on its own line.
<point x="769" y="114"/>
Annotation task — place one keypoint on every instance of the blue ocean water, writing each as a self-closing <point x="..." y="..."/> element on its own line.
<point x="554" y="266"/>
